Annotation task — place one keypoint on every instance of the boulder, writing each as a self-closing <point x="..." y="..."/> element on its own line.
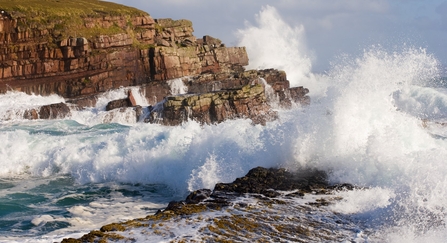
<point x="121" y="103"/>
<point x="52" y="111"/>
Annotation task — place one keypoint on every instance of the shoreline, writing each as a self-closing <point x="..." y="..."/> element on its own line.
<point x="256" y="206"/>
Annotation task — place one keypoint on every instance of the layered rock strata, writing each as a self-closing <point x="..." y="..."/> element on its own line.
<point x="80" y="57"/>
<point x="246" y="102"/>
<point x="214" y="98"/>
<point x="127" y="50"/>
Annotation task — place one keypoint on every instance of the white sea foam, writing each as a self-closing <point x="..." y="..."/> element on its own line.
<point x="361" y="201"/>
<point x="355" y="131"/>
<point x="98" y="114"/>
<point x="423" y="102"/>
<point x="177" y="86"/>
<point x="274" y="44"/>
<point x="364" y="127"/>
<point x="13" y="104"/>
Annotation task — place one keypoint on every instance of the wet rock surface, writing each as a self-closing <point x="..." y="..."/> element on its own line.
<point x="207" y="108"/>
<point x="261" y="180"/>
<point x="218" y="97"/>
<point x="266" y="205"/>
<point x="52" y="111"/>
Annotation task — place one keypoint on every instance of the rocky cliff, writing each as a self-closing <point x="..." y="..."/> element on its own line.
<point x="79" y="50"/>
<point x="105" y="50"/>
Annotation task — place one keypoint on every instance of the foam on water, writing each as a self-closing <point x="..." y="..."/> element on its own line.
<point x="98" y="114"/>
<point x="365" y="126"/>
<point x="423" y="102"/>
<point x="50" y="209"/>
<point x="13" y="104"/>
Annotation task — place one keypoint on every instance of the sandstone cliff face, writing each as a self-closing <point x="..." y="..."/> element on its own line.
<point x="33" y="61"/>
<point x="119" y="50"/>
<point x="147" y="51"/>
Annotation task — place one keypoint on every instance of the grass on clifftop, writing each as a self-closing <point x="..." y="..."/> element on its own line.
<point x="66" y="17"/>
<point x="63" y="8"/>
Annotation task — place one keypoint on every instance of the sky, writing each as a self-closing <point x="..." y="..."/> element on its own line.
<point x="331" y="28"/>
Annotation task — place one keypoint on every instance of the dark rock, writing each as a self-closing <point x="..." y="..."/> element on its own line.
<point x="53" y="111"/>
<point x="266" y="214"/>
<point x="198" y="196"/>
<point x="114" y="104"/>
<point x="344" y="186"/>
<point x="175" y="205"/>
<point x="139" y="112"/>
<point x="270" y="193"/>
<point x="259" y="180"/>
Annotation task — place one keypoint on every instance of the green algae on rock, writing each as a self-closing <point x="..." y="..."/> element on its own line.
<point x="299" y="214"/>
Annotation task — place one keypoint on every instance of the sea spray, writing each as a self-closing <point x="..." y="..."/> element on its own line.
<point x="274" y="44"/>
<point x="361" y="137"/>
<point x="357" y="128"/>
<point x="367" y="125"/>
<point x="177" y="86"/>
<point x="13" y="104"/>
<point x="98" y="114"/>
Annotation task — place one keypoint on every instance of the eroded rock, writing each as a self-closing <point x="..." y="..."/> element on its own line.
<point x="253" y="207"/>
<point x="52" y="111"/>
<point x="246" y="102"/>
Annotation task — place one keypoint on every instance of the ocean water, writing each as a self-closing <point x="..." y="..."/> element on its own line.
<point x="376" y="120"/>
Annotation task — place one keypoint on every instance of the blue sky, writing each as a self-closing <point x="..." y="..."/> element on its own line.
<point x="331" y="27"/>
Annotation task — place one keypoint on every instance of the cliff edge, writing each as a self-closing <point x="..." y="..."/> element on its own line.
<point x="84" y="48"/>
<point x="87" y="47"/>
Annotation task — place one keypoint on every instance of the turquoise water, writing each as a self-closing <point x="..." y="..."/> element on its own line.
<point x="377" y="121"/>
<point x="23" y="202"/>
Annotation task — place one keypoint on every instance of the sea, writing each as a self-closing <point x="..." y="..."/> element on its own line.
<point x="377" y="120"/>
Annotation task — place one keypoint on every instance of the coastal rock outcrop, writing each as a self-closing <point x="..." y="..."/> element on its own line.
<point x="214" y="98"/>
<point x="106" y="50"/>
<point x="255" y="207"/>
<point x="105" y="46"/>
<point x="246" y="102"/>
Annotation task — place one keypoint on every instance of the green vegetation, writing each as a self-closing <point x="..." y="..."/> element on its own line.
<point x="59" y="9"/>
<point x="70" y="18"/>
